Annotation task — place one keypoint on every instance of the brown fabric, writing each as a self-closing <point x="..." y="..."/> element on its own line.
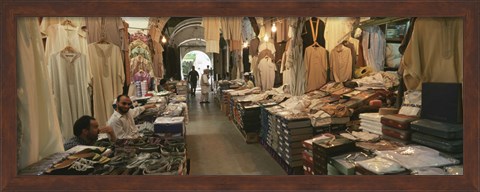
<point x="360" y="58"/>
<point x="253" y="48"/>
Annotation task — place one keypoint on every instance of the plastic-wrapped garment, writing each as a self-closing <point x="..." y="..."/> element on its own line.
<point x="412" y="103"/>
<point x="380" y="166"/>
<point x="428" y="171"/>
<point x="415" y="156"/>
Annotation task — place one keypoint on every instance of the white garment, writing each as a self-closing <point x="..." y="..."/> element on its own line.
<point x="59" y="37"/>
<point x="124" y="125"/>
<point x="39" y="131"/>
<point x="267" y="69"/>
<point x="335" y="29"/>
<point x="47" y="21"/>
<point x="71" y="79"/>
<point x="211" y="26"/>
<point x="108" y="77"/>
<point x="266" y="45"/>
<point x="373" y="43"/>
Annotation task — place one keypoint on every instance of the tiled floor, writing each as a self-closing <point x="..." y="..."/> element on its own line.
<point x="216" y="147"/>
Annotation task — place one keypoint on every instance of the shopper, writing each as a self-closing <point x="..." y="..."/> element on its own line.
<point x="163" y="85"/>
<point x="122" y="118"/>
<point x="86" y="132"/>
<point x="248" y="81"/>
<point x="192" y="79"/>
<point x="205" y="86"/>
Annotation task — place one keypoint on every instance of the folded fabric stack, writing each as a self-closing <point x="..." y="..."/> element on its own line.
<point x="371" y="122"/>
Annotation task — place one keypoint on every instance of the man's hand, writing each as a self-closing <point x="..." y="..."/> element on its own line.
<point x="109" y="130"/>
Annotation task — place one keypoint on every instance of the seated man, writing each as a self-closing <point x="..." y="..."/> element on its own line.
<point x="248" y="81"/>
<point x="86" y="132"/>
<point x="122" y="119"/>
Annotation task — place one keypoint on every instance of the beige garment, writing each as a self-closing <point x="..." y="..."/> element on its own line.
<point x="47" y="21"/>
<point x="341" y="63"/>
<point x="267" y="45"/>
<point x="253" y="47"/>
<point x="211" y="26"/>
<point x="282" y="30"/>
<point x="113" y="29"/>
<point x="316" y="67"/>
<point x="236" y="31"/>
<point x="336" y="28"/>
<point x="434" y="53"/>
<point x="157" y="63"/>
<point x="255" y="71"/>
<point x="267" y="69"/>
<point x="38" y="131"/>
<point x="108" y="77"/>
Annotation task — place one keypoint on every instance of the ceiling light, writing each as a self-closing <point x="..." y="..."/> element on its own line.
<point x="274" y="28"/>
<point x="164" y="40"/>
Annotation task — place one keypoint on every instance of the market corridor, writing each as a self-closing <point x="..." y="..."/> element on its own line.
<point x="216" y="147"/>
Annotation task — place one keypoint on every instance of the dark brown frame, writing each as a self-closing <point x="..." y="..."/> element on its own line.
<point x="468" y="10"/>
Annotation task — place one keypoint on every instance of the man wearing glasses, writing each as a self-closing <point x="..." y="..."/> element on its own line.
<point x="122" y="118"/>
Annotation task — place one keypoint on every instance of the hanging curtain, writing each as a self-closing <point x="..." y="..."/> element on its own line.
<point x="39" y="129"/>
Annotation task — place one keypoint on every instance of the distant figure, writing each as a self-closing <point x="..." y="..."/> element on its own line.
<point x="192" y="79"/>
<point x="248" y="81"/>
<point x="205" y="86"/>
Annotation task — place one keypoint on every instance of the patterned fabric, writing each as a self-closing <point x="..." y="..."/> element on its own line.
<point x="74" y="141"/>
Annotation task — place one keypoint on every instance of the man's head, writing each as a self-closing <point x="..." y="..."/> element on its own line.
<point x="123" y="104"/>
<point x="246" y="76"/>
<point x="193" y="68"/>
<point x="86" y="127"/>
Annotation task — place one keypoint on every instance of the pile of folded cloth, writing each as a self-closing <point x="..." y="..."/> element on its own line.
<point x="371" y="122"/>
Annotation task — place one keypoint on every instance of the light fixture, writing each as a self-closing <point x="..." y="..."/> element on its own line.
<point x="274" y="28"/>
<point x="164" y="40"/>
<point x="266" y="38"/>
<point x="245" y="44"/>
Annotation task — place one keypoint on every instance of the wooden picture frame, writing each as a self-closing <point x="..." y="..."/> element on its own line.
<point x="11" y="9"/>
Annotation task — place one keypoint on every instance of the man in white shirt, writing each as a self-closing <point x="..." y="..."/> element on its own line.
<point x="122" y="118"/>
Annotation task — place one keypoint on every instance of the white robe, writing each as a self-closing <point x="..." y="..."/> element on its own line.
<point x="39" y="131"/>
<point x="267" y="73"/>
<point x="108" y="77"/>
<point x="71" y="79"/>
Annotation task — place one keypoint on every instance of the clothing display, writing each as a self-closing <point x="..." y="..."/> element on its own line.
<point x="318" y="94"/>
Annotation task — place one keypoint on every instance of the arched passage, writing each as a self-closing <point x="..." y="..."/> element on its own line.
<point x="197" y="59"/>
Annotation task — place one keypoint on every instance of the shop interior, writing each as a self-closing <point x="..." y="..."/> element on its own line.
<point x="239" y="96"/>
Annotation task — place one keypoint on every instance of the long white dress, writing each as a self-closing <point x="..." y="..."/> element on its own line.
<point x="267" y="69"/>
<point x="39" y="130"/>
<point x="108" y="77"/>
<point x="71" y="79"/>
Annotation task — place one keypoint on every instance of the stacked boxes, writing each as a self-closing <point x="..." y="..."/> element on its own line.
<point x="323" y="150"/>
<point x="171" y="125"/>
<point x="396" y="127"/>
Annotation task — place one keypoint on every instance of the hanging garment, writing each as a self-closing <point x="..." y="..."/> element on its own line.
<point x="434" y="53"/>
<point x="236" y="31"/>
<point x="247" y="30"/>
<point x="111" y="27"/>
<point x="308" y="28"/>
<point x="211" y="26"/>
<point x="316" y="67"/>
<point x="253" y="48"/>
<point x="39" y="132"/>
<point x="59" y="37"/>
<point x="337" y="29"/>
<point x="71" y="79"/>
<point x="341" y="63"/>
<point x="108" y="77"/>
<point x="157" y="63"/>
<point x="256" y="72"/>
<point x="47" y="21"/>
<point x="139" y="63"/>
<point x="282" y="30"/>
<point x="145" y="53"/>
<point x="296" y="58"/>
<point x="373" y="42"/>
<point x="267" y="68"/>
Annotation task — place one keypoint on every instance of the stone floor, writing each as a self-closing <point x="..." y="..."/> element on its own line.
<point x="216" y="147"/>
